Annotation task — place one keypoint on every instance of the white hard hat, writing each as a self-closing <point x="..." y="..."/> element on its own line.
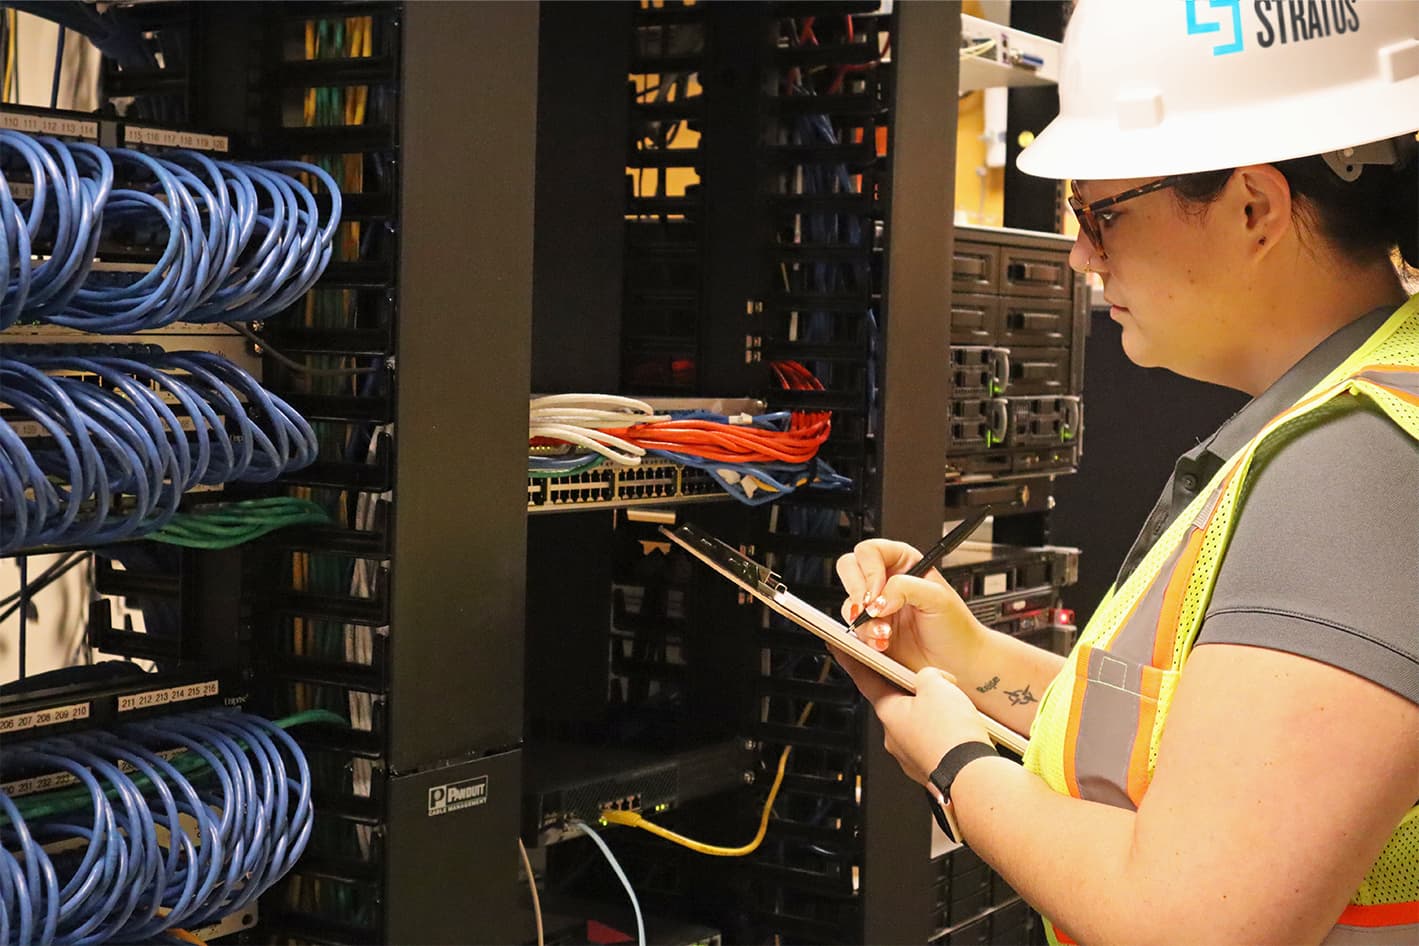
<point x="1155" y="87"/>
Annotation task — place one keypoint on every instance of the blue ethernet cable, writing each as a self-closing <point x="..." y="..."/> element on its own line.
<point x="42" y="886"/>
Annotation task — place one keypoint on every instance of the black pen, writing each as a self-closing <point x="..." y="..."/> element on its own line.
<point x="948" y="544"/>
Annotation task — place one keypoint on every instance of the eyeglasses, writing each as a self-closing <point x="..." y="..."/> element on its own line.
<point x="1087" y="214"/>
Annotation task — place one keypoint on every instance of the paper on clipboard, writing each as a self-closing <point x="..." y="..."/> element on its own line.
<point x="766" y="586"/>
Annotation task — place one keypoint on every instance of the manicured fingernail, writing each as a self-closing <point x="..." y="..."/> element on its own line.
<point x="880" y="631"/>
<point x="853" y="612"/>
<point x="877" y="606"/>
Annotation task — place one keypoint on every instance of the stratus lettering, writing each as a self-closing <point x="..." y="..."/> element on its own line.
<point x="1296" y="21"/>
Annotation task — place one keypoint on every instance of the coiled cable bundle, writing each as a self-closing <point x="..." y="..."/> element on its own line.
<point x="756" y="459"/>
<point x="234" y="241"/>
<point x="174" y="822"/>
<point x="108" y="461"/>
<point x="69" y="189"/>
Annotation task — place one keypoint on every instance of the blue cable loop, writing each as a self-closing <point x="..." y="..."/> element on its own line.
<point x="228" y="799"/>
<point x="14" y="887"/>
<point x="8" y="867"/>
<point x="86" y="881"/>
<point x="247" y="813"/>
<point x="17" y="252"/>
<point x="121" y="883"/>
<point x="39" y="878"/>
<point x="158" y="418"/>
<point x="181" y="883"/>
<point x="263" y="243"/>
<point x="150" y="301"/>
<point x="19" y="391"/>
<point x="225" y="403"/>
<point x="210" y="853"/>
<point x="123" y="438"/>
<point x="137" y="856"/>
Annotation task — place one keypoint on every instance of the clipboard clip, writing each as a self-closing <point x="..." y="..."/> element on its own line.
<point x="728" y="559"/>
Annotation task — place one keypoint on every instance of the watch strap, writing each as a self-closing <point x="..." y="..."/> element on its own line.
<point x="954" y="761"/>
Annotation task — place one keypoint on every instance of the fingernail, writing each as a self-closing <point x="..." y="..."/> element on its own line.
<point x="877" y="606"/>
<point x="881" y="631"/>
<point x="853" y="612"/>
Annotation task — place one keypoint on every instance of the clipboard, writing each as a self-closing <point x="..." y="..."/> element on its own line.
<point x="767" y="587"/>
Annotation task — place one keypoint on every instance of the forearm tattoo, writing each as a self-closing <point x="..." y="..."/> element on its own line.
<point x="989" y="685"/>
<point x="1021" y="697"/>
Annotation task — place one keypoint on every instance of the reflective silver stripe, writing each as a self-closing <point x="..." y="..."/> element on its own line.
<point x="1406" y="935"/>
<point x="1404" y="380"/>
<point x="1108" y="724"/>
<point x="1108" y="717"/>
<point x="1205" y="513"/>
<point x="1134" y="641"/>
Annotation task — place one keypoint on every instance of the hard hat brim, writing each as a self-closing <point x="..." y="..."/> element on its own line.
<point x="1097" y="149"/>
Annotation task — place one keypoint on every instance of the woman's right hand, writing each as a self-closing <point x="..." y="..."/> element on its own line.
<point x="919" y="622"/>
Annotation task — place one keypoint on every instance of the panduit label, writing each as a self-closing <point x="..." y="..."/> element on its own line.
<point x="455" y="796"/>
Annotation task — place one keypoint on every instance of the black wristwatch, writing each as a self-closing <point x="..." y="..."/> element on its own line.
<point x="945" y="773"/>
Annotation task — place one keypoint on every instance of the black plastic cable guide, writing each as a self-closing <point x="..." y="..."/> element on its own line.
<point x="364" y="678"/>
<point x="210" y="619"/>
<point x="288" y="337"/>
<point x="342" y="609"/>
<point x="332" y="139"/>
<point x="375" y="69"/>
<point x="363" y="543"/>
<point x="376" y="477"/>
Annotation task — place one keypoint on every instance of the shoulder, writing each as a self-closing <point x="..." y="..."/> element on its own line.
<point x="1325" y="553"/>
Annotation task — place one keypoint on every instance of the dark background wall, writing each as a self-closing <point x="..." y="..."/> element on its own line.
<point x="1136" y="423"/>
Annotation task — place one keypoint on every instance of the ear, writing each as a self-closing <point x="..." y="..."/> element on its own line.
<point x="1264" y="197"/>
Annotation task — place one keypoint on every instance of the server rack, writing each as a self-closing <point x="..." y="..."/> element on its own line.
<point x="430" y="702"/>
<point x="457" y="275"/>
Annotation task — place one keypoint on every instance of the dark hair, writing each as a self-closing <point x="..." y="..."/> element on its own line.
<point x="1363" y="219"/>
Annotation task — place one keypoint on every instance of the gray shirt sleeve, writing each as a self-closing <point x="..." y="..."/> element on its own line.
<point x="1324" y="562"/>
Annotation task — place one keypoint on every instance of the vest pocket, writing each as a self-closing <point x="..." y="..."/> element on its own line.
<point x="1114" y="715"/>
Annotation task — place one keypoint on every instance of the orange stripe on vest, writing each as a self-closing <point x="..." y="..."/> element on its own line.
<point x="1383" y="914"/>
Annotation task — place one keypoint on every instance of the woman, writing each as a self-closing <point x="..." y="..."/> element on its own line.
<point x="1243" y="173"/>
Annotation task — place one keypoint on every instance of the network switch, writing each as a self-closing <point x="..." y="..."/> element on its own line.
<point x="564" y="782"/>
<point x="651" y="483"/>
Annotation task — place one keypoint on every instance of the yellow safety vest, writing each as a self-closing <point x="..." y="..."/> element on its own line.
<point x="1099" y="723"/>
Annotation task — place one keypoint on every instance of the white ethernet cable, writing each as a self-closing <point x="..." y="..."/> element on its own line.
<point x="616" y="866"/>
<point x="579" y="419"/>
